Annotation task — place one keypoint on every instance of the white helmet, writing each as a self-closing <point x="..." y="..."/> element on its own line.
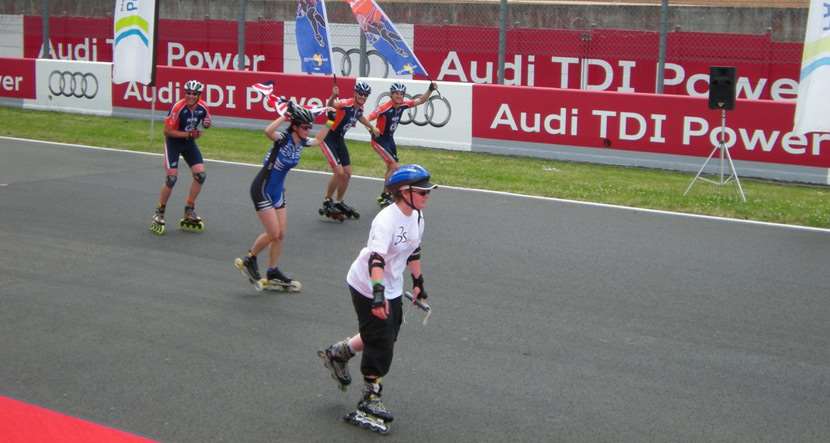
<point x="194" y="86"/>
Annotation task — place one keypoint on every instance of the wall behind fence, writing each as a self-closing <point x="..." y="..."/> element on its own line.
<point x="784" y="23"/>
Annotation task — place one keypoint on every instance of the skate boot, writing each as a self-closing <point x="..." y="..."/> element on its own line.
<point x="336" y="359"/>
<point x="385" y="199"/>
<point x="191" y="222"/>
<point x="277" y="281"/>
<point x="371" y="404"/>
<point x="347" y="210"/>
<point x="248" y="267"/>
<point x="157" y="225"/>
<point x="330" y="211"/>
<point x="370" y="413"/>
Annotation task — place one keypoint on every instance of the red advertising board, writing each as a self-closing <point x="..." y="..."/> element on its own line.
<point x="610" y="59"/>
<point x="757" y="130"/>
<point x="227" y="93"/>
<point x="17" y="78"/>
<point x="208" y="44"/>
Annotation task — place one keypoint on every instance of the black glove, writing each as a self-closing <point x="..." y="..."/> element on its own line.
<point x="432" y="86"/>
<point x="378" y="297"/>
<point x="419" y="283"/>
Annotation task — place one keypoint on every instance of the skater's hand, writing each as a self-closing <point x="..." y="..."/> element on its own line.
<point x="380" y="305"/>
<point x="374" y="130"/>
<point x="194" y="134"/>
<point x="206" y="122"/>
<point x="420" y="294"/>
<point x="432" y="87"/>
<point x="382" y="311"/>
<point x="335" y="91"/>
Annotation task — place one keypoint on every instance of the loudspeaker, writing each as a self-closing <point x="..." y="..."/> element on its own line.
<point x="722" y="87"/>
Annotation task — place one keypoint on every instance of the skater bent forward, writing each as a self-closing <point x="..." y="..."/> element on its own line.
<point x="268" y="195"/>
<point x="376" y="280"/>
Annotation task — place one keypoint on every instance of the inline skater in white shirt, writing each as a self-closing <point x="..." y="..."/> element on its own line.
<point x="376" y="280"/>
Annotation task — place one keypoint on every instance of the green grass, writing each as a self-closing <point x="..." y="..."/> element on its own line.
<point x="645" y="188"/>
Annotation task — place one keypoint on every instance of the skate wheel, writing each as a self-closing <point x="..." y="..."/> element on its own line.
<point x="157" y="229"/>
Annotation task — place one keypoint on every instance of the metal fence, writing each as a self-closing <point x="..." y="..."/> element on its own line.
<point x="757" y="35"/>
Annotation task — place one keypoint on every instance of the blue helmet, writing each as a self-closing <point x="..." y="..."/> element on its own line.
<point x="413" y="175"/>
<point x="362" y="88"/>
<point x="398" y="87"/>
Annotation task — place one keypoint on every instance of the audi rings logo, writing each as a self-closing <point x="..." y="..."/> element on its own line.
<point x="349" y="62"/>
<point x="73" y="84"/>
<point x="437" y="111"/>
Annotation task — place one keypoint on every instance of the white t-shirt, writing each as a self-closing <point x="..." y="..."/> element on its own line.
<point x="394" y="236"/>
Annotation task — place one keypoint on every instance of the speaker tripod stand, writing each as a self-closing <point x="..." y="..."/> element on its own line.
<point x="724" y="156"/>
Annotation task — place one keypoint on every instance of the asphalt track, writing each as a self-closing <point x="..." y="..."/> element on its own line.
<point x="553" y="321"/>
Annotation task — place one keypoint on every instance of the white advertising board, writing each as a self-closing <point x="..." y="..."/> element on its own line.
<point x="73" y="86"/>
<point x="345" y="51"/>
<point x="444" y="121"/>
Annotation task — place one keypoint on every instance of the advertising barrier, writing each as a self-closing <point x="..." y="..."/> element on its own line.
<point x="80" y="87"/>
<point x="208" y="44"/>
<point x="759" y="130"/>
<point x="227" y="93"/>
<point x="17" y="78"/>
<point x="611" y="59"/>
<point x="444" y="121"/>
<point x="666" y="131"/>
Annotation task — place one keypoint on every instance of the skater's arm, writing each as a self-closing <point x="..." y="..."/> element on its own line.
<point x="271" y="129"/>
<point x="321" y="135"/>
<point x="425" y="96"/>
<point x="369" y="126"/>
<point x="414" y="265"/>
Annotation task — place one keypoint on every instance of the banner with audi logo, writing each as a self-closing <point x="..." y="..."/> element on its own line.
<point x="17" y="79"/>
<point x="444" y="121"/>
<point x="82" y="87"/>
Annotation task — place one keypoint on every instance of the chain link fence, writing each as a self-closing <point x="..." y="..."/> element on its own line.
<point x="534" y="43"/>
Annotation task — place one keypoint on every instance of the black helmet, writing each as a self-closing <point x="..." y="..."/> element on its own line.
<point x="362" y="88"/>
<point x="299" y="114"/>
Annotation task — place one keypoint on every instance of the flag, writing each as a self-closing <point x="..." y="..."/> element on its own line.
<point x="812" y="110"/>
<point x="381" y="33"/>
<point x="134" y="41"/>
<point x="311" y="30"/>
<point x="280" y="103"/>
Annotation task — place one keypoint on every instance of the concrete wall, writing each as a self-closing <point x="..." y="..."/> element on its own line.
<point x="786" y="24"/>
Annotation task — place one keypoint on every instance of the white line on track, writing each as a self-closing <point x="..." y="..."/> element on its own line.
<point x="510" y="194"/>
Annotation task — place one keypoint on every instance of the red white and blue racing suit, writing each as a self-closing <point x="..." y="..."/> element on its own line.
<point x="388" y="117"/>
<point x="334" y="145"/>
<point x="183" y="118"/>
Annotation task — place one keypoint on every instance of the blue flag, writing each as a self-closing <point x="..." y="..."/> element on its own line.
<point x="313" y="37"/>
<point x="381" y="33"/>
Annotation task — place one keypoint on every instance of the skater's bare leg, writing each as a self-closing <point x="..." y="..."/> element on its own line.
<point x="195" y="186"/>
<point x="276" y="245"/>
<point x="343" y="181"/>
<point x="334" y="180"/>
<point x="166" y="189"/>
<point x="356" y="343"/>
<point x="269" y="220"/>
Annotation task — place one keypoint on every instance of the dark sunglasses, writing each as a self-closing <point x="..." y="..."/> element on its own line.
<point x="306" y="127"/>
<point x="422" y="192"/>
<point x="191" y="93"/>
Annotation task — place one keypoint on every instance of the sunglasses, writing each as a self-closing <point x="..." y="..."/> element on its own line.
<point x="361" y="95"/>
<point x="191" y="93"/>
<point x="422" y="192"/>
<point x="306" y="127"/>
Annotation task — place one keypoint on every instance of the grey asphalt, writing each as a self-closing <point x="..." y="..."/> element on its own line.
<point x="553" y="321"/>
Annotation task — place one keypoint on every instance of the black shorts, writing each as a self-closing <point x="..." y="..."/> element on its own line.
<point x="335" y="150"/>
<point x="188" y="149"/>
<point x="379" y="336"/>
